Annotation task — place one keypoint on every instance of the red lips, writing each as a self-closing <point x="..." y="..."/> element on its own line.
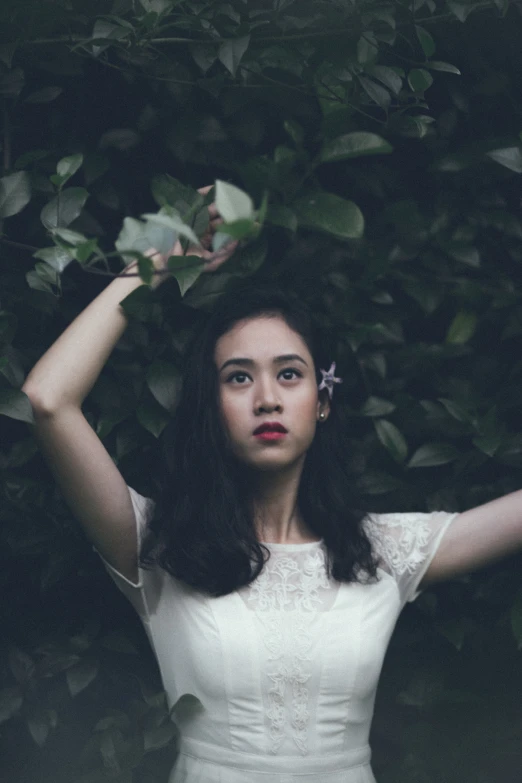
<point x="270" y="426"/>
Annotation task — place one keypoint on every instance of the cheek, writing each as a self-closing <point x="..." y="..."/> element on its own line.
<point x="230" y="408"/>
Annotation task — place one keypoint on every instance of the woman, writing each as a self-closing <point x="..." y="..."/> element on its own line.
<point x="268" y="599"/>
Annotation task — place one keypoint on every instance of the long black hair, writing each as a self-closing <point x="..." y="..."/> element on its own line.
<point x="202" y="531"/>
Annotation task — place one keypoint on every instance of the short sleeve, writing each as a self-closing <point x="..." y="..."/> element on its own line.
<point x="139" y="594"/>
<point x="406" y="543"/>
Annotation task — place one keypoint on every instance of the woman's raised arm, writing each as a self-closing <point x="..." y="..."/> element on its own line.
<point x="91" y="484"/>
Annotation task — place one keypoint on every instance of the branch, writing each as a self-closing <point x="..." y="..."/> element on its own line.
<point x="7" y="139"/>
<point x="19" y="245"/>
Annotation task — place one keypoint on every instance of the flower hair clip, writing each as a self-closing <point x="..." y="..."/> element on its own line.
<point x="329" y="379"/>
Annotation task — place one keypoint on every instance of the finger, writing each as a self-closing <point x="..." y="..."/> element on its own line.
<point x="212" y="209"/>
<point x="219" y="257"/>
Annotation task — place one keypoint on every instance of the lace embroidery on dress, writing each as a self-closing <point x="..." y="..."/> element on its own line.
<point x="289" y="587"/>
<point x="401" y="540"/>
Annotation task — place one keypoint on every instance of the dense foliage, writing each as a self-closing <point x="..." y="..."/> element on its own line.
<point x="369" y="155"/>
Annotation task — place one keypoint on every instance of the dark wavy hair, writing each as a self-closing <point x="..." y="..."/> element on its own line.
<point x="202" y="530"/>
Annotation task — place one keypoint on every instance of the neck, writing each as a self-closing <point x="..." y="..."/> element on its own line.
<point x="276" y="514"/>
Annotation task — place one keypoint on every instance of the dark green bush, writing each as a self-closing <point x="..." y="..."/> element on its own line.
<point x="378" y="146"/>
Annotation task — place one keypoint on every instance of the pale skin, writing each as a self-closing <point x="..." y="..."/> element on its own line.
<point x="95" y="490"/>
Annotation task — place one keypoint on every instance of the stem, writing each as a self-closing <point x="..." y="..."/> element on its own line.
<point x="19" y="245"/>
<point x="7" y="139"/>
<point x="275" y="81"/>
<point x="67" y="39"/>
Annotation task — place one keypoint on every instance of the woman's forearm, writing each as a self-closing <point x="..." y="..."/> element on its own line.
<point x="68" y="370"/>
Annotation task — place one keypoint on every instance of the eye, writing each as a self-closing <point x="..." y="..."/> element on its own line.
<point x="235" y="375"/>
<point x="291" y="370"/>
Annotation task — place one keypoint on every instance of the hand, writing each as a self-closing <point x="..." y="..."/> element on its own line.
<point x="212" y="260"/>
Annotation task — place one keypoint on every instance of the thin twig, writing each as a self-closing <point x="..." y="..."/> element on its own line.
<point x="279" y="84"/>
<point x="67" y="39"/>
<point x="19" y="244"/>
<point x="7" y="139"/>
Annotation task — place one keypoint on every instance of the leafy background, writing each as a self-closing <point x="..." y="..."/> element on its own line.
<point x="369" y="155"/>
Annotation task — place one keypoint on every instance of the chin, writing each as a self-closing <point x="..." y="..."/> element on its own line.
<point x="267" y="462"/>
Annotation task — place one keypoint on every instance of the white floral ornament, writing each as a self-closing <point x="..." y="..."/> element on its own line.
<point x="329" y="379"/>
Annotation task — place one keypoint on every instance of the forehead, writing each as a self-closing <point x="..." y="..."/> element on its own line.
<point x="260" y="338"/>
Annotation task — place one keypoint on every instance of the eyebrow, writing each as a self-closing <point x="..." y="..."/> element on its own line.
<point x="243" y="362"/>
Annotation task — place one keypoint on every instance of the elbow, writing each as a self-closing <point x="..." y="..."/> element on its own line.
<point x="40" y="406"/>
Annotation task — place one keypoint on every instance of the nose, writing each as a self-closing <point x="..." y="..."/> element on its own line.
<point x="267" y="398"/>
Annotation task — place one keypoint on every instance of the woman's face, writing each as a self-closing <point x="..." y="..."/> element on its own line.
<point x="266" y="375"/>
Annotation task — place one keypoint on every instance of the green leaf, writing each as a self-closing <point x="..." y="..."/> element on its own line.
<point x="232" y="203"/>
<point x="489" y="443"/>
<point x="64" y="208"/>
<point x="139" y="304"/>
<point x="159" y="737"/>
<point x="120" y="138"/>
<point x="103" y="28"/>
<point x="21" y="664"/>
<point x="152" y="416"/>
<point x="57" y="257"/>
<point x="73" y="238"/>
<point x="437" y="65"/>
<point x="415" y="127"/>
<point x="68" y="166"/>
<point x="239" y="229"/>
<point x="426" y="40"/>
<point x="462" y="328"/>
<point x="7" y="52"/>
<point x="146" y="269"/>
<point x="392" y="439"/>
<point x="204" y="55"/>
<point x="454" y="629"/>
<point x="510" y="157"/>
<point x="283" y="216"/>
<point x="377" y="483"/>
<point x="163" y="379"/>
<point x="169" y="220"/>
<point x="45" y="95"/>
<point x="388" y="76"/>
<point x="169" y="191"/>
<point x="516" y="619"/>
<point x="466" y="254"/>
<point x="159" y="231"/>
<point x="432" y="454"/>
<point x="186" y="270"/>
<point x="461" y="10"/>
<point x="11" y="699"/>
<point x="81" y="675"/>
<point x="379" y="94"/>
<point x="39" y="723"/>
<point x="354" y="145"/>
<point x="15" y="193"/>
<point x="367" y="49"/>
<point x="455" y="410"/>
<point x="16" y="405"/>
<point x="231" y="52"/>
<point x="12" y="83"/>
<point x="420" y="79"/>
<point x="118" y="642"/>
<point x="376" y="406"/>
<point x="295" y="131"/>
<point x="330" y="214"/>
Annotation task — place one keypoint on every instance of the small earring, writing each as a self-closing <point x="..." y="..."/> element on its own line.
<point x="321" y="415"/>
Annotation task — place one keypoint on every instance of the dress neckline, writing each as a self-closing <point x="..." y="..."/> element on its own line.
<point x="307" y="545"/>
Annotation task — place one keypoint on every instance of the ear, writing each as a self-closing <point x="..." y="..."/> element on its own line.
<point x="323" y="405"/>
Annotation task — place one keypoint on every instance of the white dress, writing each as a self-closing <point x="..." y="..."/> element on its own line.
<point x="276" y="682"/>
